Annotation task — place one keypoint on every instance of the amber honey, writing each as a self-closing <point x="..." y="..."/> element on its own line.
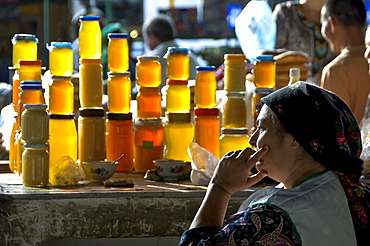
<point x="149" y="103"/>
<point x="91" y="83"/>
<point x="119" y="92"/>
<point x="61" y="95"/>
<point x="178" y="96"/>
<point x="178" y="63"/>
<point x="205" y="87"/>
<point x="265" y="72"/>
<point x="234" y="112"/>
<point x="148" y="71"/>
<point x="118" y="53"/>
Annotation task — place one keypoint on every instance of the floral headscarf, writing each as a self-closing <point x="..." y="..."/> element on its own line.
<point x="326" y="128"/>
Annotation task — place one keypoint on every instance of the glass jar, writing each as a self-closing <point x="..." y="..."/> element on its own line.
<point x="256" y="102"/>
<point x="90" y="37"/>
<point x="35" y="124"/>
<point x="61" y="95"/>
<point x="235" y="72"/>
<point x="120" y="140"/>
<point x="63" y="137"/>
<point x="18" y="151"/>
<point x="30" y="70"/>
<point x="205" y="87"/>
<point x="119" y="92"/>
<point x="178" y="96"/>
<point x="12" y="148"/>
<point x="24" y="48"/>
<point x="207" y="129"/>
<point x="178" y="135"/>
<point x="15" y="89"/>
<point x="91" y="135"/>
<point x="60" y="58"/>
<point x="233" y="139"/>
<point x="118" y="54"/>
<point x="234" y="111"/>
<point x="29" y="94"/>
<point x="265" y="71"/>
<point x="35" y="165"/>
<point x="149" y="103"/>
<point x="178" y="62"/>
<point x="91" y="83"/>
<point x="149" y="143"/>
<point x="148" y="71"/>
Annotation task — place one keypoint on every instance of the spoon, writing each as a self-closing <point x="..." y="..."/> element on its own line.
<point x="119" y="158"/>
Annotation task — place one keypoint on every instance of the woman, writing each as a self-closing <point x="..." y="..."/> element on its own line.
<point x="321" y="199"/>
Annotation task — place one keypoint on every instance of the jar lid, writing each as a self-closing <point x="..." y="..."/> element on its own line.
<point x="147" y="58"/>
<point x="26" y="87"/>
<point x="26" y="37"/>
<point x="235" y="94"/>
<point x="35" y="146"/>
<point x="117" y="116"/>
<point x="112" y="74"/>
<point x="91" y="60"/>
<point x="93" y="112"/>
<point x="264" y="90"/>
<point x="29" y="62"/>
<point x="59" y="45"/>
<point x="117" y="35"/>
<point x="176" y="50"/>
<point x="35" y="106"/>
<point x="178" y="117"/>
<point x="28" y="82"/>
<point x="206" y="111"/>
<point x="145" y="122"/>
<point x="89" y="18"/>
<point x="235" y="131"/>
<point x="234" y="57"/>
<point x="265" y="58"/>
<point x="205" y="68"/>
<point x="61" y="78"/>
<point x="176" y="82"/>
<point x="62" y="116"/>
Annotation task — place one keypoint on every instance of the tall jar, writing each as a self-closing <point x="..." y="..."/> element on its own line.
<point x="63" y="137"/>
<point x="265" y="71"/>
<point x="149" y="103"/>
<point x="24" y="48"/>
<point x="90" y="37"/>
<point x="61" y="95"/>
<point x="118" y="54"/>
<point x="91" y="83"/>
<point x="149" y="143"/>
<point x="233" y="139"/>
<point x="60" y="58"/>
<point x="205" y="87"/>
<point x="178" y="135"/>
<point x="15" y="89"/>
<point x="178" y="96"/>
<point x="148" y="71"/>
<point x="91" y="135"/>
<point x="207" y="129"/>
<point x="35" y="165"/>
<point x="178" y="62"/>
<point x="35" y="124"/>
<point x="30" y="70"/>
<point x="234" y="111"/>
<point x="120" y="140"/>
<point x="119" y="92"/>
<point x="235" y="72"/>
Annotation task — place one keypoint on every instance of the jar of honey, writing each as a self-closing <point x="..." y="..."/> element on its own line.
<point x="234" y="73"/>
<point x="91" y="83"/>
<point x="30" y="94"/>
<point x="118" y="54"/>
<point x="205" y="87"/>
<point x="35" y="124"/>
<point x="178" y="96"/>
<point x="15" y="89"/>
<point x="90" y="37"/>
<point x="265" y="71"/>
<point x="233" y="139"/>
<point x="256" y="104"/>
<point x="12" y="150"/>
<point x="234" y="111"/>
<point x="24" y="48"/>
<point x="149" y="103"/>
<point x="30" y="70"/>
<point x="178" y="62"/>
<point x="60" y="58"/>
<point x="61" y="95"/>
<point x="119" y="92"/>
<point x="35" y="165"/>
<point x="148" y="71"/>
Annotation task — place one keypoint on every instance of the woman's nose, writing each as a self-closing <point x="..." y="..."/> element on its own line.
<point x="367" y="53"/>
<point x="253" y="138"/>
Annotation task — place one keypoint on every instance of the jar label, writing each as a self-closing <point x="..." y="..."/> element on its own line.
<point x="147" y="144"/>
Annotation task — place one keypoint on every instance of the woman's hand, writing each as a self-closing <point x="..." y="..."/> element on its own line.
<point x="232" y="171"/>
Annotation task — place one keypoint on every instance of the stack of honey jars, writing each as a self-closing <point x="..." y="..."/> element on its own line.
<point x="148" y="127"/>
<point x="234" y="131"/>
<point x="178" y="129"/>
<point x="119" y="124"/>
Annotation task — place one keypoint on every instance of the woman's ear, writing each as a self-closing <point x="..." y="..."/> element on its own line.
<point x="333" y="23"/>
<point x="295" y="144"/>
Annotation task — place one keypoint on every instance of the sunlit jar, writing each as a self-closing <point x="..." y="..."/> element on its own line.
<point x="90" y="37"/>
<point x="91" y="135"/>
<point x="119" y="92"/>
<point x="233" y="139"/>
<point x="15" y="89"/>
<point x="265" y="71"/>
<point x="118" y="54"/>
<point x="148" y="71"/>
<point x="30" y="94"/>
<point x="256" y="104"/>
<point x="207" y="129"/>
<point x="35" y="165"/>
<point x="234" y="111"/>
<point x="12" y="149"/>
<point x="61" y="58"/>
<point x="178" y="135"/>
<point x="234" y="73"/>
<point x="177" y="63"/>
<point x="35" y="124"/>
<point x="178" y="96"/>
<point x="19" y="149"/>
<point x="149" y="103"/>
<point x="61" y="95"/>
<point x="149" y="143"/>
<point x="91" y="83"/>
<point x="205" y="87"/>
<point x="30" y="70"/>
<point x="120" y="140"/>
<point x="24" y="48"/>
<point x="63" y="137"/>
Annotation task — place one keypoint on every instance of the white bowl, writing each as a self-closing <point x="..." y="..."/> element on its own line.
<point x="99" y="170"/>
<point x="169" y="170"/>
